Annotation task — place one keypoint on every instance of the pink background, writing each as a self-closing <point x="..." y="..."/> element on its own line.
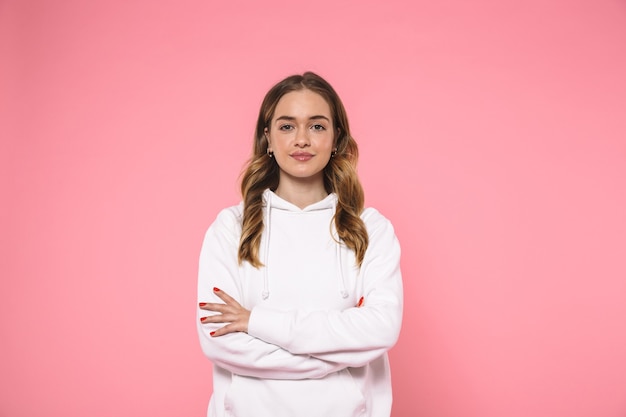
<point x="493" y="135"/>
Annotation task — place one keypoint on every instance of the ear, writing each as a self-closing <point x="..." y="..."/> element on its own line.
<point x="337" y="135"/>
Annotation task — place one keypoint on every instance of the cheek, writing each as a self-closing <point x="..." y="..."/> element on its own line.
<point x="275" y="142"/>
<point x="327" y="141"/>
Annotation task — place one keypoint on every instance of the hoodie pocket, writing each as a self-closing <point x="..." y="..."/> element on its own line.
<point x="335" y="395"/>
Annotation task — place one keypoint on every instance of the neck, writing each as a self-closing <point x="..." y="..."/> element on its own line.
<point x="301" y="195"/>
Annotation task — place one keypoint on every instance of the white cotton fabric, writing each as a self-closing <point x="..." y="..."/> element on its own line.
<point x="309" y="352"/>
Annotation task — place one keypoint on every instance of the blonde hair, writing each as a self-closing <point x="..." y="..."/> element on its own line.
<point x="340" y="176"/>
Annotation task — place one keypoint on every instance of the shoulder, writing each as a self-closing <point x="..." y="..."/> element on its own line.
<point x="378" y="226"/>
<point x="373" y="219"/>
<point x="227" y="221"/>
<point x="230" y="214"/>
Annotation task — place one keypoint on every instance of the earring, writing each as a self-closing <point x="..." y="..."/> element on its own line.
<point x="269" y="152"/>
<point x="333" y="153"/>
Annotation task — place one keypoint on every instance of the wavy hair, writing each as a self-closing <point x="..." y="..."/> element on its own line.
<point x="340" y="175"/>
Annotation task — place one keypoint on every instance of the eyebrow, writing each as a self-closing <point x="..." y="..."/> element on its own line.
<point x="316" y="117"/>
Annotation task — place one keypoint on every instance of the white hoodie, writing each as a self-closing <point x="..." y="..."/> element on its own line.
<point x="309" y="352"/>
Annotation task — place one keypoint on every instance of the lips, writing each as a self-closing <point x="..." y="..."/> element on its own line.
<point x="301" y="156"/>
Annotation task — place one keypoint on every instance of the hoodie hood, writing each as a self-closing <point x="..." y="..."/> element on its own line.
<point x="273" y="202"/>
<point x="271" y="199"/>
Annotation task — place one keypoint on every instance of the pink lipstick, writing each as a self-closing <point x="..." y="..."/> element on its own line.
<point x="301" y="156"/>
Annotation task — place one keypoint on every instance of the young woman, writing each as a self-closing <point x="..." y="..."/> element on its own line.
<point x="299" y="290"/>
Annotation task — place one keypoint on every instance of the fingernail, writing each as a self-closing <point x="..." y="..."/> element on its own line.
<point x="360" y="303"/>
<point x="212" y="333"/>
<point x="201" y="319"/>
<point x="201" y="304"/>
<point x="216" y="289"/>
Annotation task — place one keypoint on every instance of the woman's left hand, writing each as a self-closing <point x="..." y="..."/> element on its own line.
<point x="231" y="312"/>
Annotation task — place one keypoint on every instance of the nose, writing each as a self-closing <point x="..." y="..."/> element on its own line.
<point x="302" y="138"/>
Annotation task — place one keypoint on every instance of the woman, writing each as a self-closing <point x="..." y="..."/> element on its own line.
<point x="299" y="290"/>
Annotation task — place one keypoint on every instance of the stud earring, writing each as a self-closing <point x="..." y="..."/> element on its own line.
<point x="270" y="153"/>
<point x="333" y="153"/>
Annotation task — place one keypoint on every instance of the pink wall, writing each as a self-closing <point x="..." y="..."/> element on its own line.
<point x="493" y="135"/>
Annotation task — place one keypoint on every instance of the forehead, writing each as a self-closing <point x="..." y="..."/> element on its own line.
<point x="302" y="103"/>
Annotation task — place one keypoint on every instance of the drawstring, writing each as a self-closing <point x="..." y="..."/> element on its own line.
<point x="266" y="284"/>
<point x="342" y="280"/>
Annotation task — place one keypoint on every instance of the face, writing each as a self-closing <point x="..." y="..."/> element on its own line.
<point x="301" y="136"/>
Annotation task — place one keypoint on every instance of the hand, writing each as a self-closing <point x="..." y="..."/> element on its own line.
<point x="231" y="312"/>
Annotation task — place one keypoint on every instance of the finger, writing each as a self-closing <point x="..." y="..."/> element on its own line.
<point x="220" y="318"/>
<point x="223" y="330"/>
<point x="360" y="303"/>
<point x="217" y="333"/>
<point x="225" y="297"/>
<point x="220" y="332"/>
<point x="219" y="307"/>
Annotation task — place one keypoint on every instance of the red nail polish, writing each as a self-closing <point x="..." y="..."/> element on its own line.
<point x="201" y="304"/>
<point x="202" y="319"/>
<point x="212" y="333"/>
<point x="360" y="303"/>
<point x="216" y="289"/>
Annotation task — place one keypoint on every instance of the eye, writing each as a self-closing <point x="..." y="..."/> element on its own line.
<point x="285" y="128"/>
<point x="318" y="127"/>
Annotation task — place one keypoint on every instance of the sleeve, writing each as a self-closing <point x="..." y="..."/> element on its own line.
<point x="354" y="336"/>
<point x="241" y="353"/>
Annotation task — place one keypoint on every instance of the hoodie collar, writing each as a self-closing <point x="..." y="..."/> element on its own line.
<point x="272" y="200"/>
